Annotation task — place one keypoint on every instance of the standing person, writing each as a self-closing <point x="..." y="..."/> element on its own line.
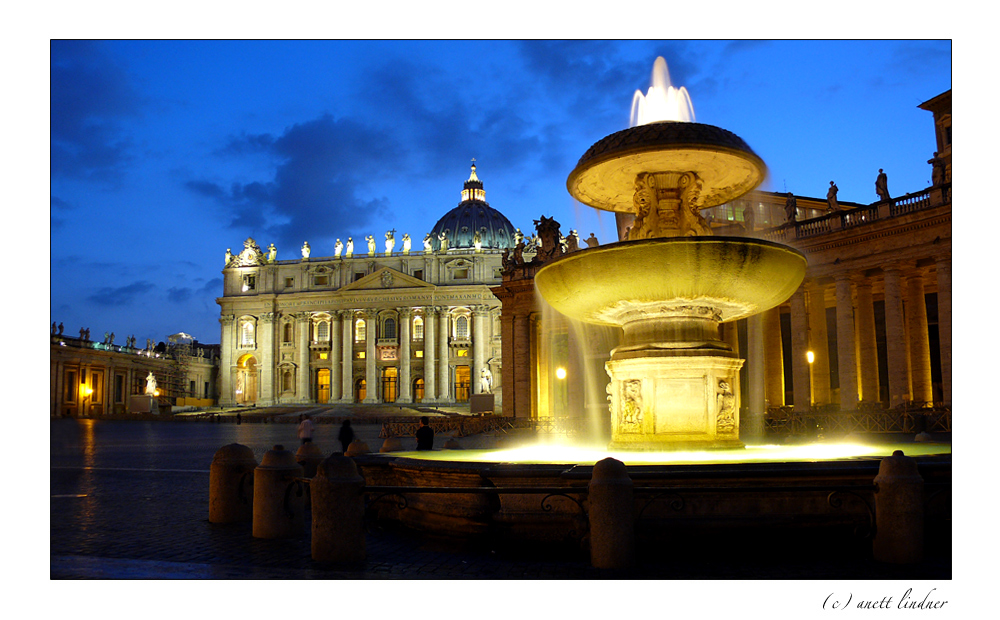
<point x="425" y="435"/>
<point x="306" y="428"/>
<point x="346" y="435"/>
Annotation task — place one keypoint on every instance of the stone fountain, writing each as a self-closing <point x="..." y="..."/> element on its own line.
<point x="674" y="382"/>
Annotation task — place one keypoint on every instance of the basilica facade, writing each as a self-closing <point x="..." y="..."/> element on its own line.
<point x="374" y="323"/>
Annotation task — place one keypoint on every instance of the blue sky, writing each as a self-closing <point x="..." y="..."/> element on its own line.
<point x="166" y="153"/>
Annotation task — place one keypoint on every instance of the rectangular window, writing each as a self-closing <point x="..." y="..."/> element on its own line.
<point x="419" y="353"/>
<point x="418" y="274"/>
<point x="321" y="280"/>
<point x="461" y="274"/>
<point x="361" y="355"/>
<point x="463" y="353"/>
<point x="119" y="388"/>
<point x="289" y="282"/>
<point x="69" y="393"/>
<point x="358" y="275"/>
<point x="191" y="387"/>
<point x="205" y="393"/>
<point x="322" y="356"/>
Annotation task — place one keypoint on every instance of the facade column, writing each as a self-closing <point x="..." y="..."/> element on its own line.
<point x="753" y="427"/>
<point x="371" y="387"/>
<point x="847" y="365"/>
<point x="943" y="267"/>
<point x="774" y="363"/>
<point x="336" y="356"/>
<point x="867" y="348"/>
<point x="521" y="360"/>
<point x="480" y="337"/>
<point x="405" y="319"/>
<point x="302" y="393"/>
<point x="430" y="353"/>
<point x="801" y="388"/>
<point x="443" y="373"/>
<point x="920" y="349"/>
<point x="266" y="363"/>
<point x="819" y="344"/>
<point x="347" y="357"/>
<point x="226" y="362"/>
<point x="895" y="336"/>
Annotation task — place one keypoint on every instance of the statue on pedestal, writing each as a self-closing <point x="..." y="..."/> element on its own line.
<point x="272" y="253"/>
<point x="390" y="241"/>
<point x="338" y="248"/>
<point x="349" y="249"/>
<point x="150" y="384"/>
<point x="831" y="197"/>
<point x="427" y="243"/>
<point x="371" y="245"/>
<point x="486" y="381"/>
<point x="305" y="251"/>
<point x="882" y="185"/>
<point x="406" y="243"/>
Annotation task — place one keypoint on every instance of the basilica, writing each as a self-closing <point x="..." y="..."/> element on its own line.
<point x="373" y="323"/>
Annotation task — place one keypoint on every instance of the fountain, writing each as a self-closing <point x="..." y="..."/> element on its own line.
<point x="674" y="382"/>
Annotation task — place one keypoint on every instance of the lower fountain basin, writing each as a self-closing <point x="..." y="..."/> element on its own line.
<point x="632" y="280"/>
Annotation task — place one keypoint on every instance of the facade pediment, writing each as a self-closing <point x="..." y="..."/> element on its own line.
<point x="384" y="279"/>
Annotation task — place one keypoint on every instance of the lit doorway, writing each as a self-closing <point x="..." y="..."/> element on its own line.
<point x="390" y="384"/>
<point x="245" y="390"/>
<point x="360" y="391"/>
<point x="323" y="385"/>
<point x="462" y="384"/>
<point x="418" y="390"/>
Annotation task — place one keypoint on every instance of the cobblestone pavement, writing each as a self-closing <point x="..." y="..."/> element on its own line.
<point x="129" y="500"/>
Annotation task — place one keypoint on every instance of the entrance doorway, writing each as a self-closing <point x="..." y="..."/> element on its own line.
<point x="462" y="384"/>
<point x="418" y="390"/>
<point x="360" y="390"/>
<point x="390" y="386"/>
<point x="245" y="390"/>
<point x="323" y="385"/>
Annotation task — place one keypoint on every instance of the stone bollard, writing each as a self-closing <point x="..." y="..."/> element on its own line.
<point x="230" y="484"/>
<point x="452" y="444"/>
<point x="309" y="456"/>
<point x="612" y="516"/>
<point x="357" y="448"/>
<point x="338" y="532"/>
<point x="278" y="506"/>
<point x="391" y="444"/>
<point x="899" y="511"/>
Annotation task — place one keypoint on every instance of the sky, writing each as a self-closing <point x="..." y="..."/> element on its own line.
<point x="164" y="153"/>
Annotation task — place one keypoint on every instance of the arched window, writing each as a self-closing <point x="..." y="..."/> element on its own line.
<point x="462" y="327"/>
<point x="323" y="331"/>
<point x="360" y="331"/>
<point x="287" y="333"/>
<point x="389" y="328"/>
<point x="418" y="328"/>
<point x="247" y="333"/>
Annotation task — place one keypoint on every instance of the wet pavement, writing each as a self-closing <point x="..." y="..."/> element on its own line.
<point x="129" y="500"/>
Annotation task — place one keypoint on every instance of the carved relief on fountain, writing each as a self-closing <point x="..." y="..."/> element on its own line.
<point x="630" y="411"/>
<point x="667" y="204"/>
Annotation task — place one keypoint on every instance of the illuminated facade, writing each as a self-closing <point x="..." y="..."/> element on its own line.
<point x="869" y="328"/>
<point x="372" y="323"/>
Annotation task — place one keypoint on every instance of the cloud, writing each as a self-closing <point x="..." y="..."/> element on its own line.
<point x="322" y="168"/>
<point x="120" y="296"/>
<point x="92" y="97"/>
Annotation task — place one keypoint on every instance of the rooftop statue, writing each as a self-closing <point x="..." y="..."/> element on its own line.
<point x="338" y="248"/>
<point x="150" y="385"/>
<point x="390" y="241"/>
<point x="371" y="245"/>
<point x="349" y="249"/>
<point x="406" y="243"/>
<point x="831" y="197"/>
<point x="882" y="185"/>
<point x="305" y="251"/>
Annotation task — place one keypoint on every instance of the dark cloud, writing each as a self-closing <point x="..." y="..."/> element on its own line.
<point x="91" y="97"/>
<point x="120" y="296"/>
<point x="323" y="168"/>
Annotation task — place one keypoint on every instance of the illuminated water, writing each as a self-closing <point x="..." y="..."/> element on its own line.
<point x="662" y="102"/>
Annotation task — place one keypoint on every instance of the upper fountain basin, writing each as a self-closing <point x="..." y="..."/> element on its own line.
<point x="610" y="284"/>
<point x="604" y="178"/>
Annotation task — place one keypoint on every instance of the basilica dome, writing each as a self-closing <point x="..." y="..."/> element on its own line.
<point x="473" y="215"/>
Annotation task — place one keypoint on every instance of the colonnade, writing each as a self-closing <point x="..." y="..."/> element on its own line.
<point x="431" y="356"/>
<point x="907" y="355"/>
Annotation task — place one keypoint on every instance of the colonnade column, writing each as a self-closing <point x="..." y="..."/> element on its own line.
<point x="847" y="366"/>
<point x="755" y="369"/>
<point x="430" y="353"/>
<point x="920" y="350"/>
<point x="226" y="361"/>
<point x="371" y="388"/>
<point x="347" y="358"/>
<point x="943" y="267"/>
<point x="520" y="350"/>
<point x="867" y="347"/>
<point x="801" y="389"/>
<point x="774" y="363"/>
<point x="443" y="374"/>
<point x="405" y="317"/>
<point x="819" y="345"/>
<point x="479" y="341"/>
<point x="895" y="336"/>
<point x="336" y="357"/>
<point x="302" y="394"/>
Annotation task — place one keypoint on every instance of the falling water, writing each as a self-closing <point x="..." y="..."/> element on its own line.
<point x="662" y="102"/>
